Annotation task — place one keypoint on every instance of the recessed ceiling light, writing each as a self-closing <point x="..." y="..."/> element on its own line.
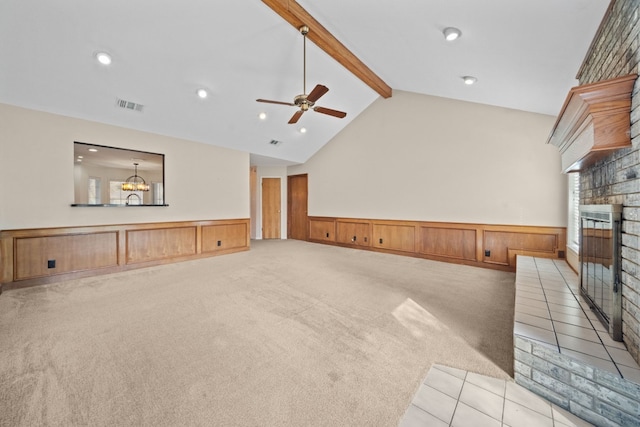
<point x="262" y="116"/>
<point x="79" y="160"/>
<point x="103" y="58"/>
<point x="469" y="80"/>
<point x="202" y="93"/>
<point x="93" y="150"/>
<point x="303" y="130"/>
<point x="451" y="33"/>
<point x="81" y="157"/>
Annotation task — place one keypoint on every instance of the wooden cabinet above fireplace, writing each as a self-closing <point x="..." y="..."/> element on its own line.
<point x="593" y="122"/>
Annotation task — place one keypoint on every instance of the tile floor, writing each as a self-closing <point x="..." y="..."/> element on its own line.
<point x="549" y="309"/>
<point x="453" y="397"/>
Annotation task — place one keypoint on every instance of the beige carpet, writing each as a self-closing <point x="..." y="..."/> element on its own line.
<point x="288" y="334"/>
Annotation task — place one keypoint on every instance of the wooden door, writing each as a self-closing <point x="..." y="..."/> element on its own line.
<point x="297" y="207"/>
<point x="253" y="202"/>
<point x="271" y="208"/>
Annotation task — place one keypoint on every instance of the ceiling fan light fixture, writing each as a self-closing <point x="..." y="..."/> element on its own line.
<point x="469" y="80"/>
<point x="303" y="130"/>
<point x="262" y="115"/>
<point x="104" y="58"/>
<point x="451" y="33"/>
<point x="202" y="93"/>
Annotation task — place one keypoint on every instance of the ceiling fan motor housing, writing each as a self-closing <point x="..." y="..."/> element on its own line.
<point x="302" y="102"/>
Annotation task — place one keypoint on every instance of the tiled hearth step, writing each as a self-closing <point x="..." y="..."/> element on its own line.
<point x="562" y="351"/>
<point x="453" y="397"/>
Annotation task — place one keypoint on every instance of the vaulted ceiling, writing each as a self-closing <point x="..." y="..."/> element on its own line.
<point x="525" y="55"/>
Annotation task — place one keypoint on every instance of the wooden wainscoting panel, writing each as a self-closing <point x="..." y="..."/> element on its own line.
<point x="76" y="252"/>
<point x="86" y="251"/>
<point x="456" y="243"/>
<point x="6" y="259"/>
<point x="224" y="236"/>
<point x="394" y="237"/>
<point x="155" y="244"/>
<point x="500" y="243"/>
<point x="356" y="233"/>
<point x="481" y="245"/>
<point x="322" y="229"/>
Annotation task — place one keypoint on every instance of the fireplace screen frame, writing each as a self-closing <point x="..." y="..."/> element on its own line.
<point x="600" y="263"/>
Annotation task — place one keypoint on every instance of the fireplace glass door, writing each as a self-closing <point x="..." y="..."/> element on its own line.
<point x="600" y="263"/>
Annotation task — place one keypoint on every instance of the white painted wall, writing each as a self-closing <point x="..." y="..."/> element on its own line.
<point x="37" y="170"/>
<point x="418" y="157"/>
<point x="272" y="172"/>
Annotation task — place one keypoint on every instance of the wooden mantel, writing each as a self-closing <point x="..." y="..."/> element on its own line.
<point x="593" y="122"/>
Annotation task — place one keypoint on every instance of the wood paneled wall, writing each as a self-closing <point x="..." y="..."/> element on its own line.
<point x="492" y="246"/>
<point x="37" y="256"/>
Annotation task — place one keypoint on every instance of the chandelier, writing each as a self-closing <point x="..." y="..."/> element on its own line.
<point x="135" y="182"/>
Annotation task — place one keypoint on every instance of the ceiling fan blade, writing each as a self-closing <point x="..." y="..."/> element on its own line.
<point x="317" y="92"/>
<point x="268" y="101"/>
<point x="296" y="116"/>
<point x="329" y="111"/>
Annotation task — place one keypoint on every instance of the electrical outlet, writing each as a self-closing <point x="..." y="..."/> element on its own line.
<point x="487" y="253"/>
<point x="51" y="263"/>
<point x="327" y="234"/>
<point x="219" y="242"/>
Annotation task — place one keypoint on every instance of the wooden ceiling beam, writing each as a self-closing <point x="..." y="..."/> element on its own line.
<point x="297" y="16"/>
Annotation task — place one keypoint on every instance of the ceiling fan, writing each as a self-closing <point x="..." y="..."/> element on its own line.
<point x="306" y="101"/>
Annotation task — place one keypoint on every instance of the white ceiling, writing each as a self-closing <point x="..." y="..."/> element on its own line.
<point x="525" y="55"/>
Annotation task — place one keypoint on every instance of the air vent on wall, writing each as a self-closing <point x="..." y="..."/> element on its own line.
<point x="275" y="142"/>
<point x="128" y="105"/>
